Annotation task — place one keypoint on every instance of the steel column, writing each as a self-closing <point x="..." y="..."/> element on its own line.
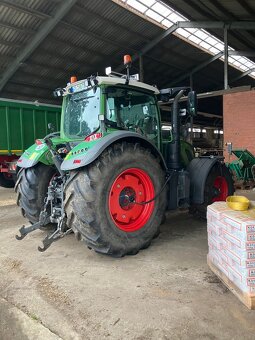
<point x="191" y="117"/>
<point x="141" y="71"/>
<point x="191" y="81"/>
<point x="225" y="58"/>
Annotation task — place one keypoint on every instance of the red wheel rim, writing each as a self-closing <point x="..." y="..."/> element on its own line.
<point x="132" y="186"/>
<point x="221" y="186"/>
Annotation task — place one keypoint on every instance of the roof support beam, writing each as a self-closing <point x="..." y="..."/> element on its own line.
<point x="245" y="25"/>
<point x="9" y="43"/>
<point x="242" y="53"/>
<point x="216" y="57"/>
<point x="36" y="40"/>
<point x="18" y="29"/>
<point x="151" y="44"/>
<point x="199" y="67"/>
<point x="156" y="40"/>
<point x="246" y="73"/>
<point x="24" y="9"/>
<point x="211" y="94"/>
<point x="195" y="24"/>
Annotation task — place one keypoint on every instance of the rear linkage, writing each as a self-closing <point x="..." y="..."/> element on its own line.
<point x="53" y="210"/>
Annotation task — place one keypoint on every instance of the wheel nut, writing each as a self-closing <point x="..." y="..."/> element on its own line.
<point x="123" y="216"/>
<point x="140" y="193"/>
<point x="118" y="186"/>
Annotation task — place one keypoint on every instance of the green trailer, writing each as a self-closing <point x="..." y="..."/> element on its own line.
<point x="21" y="123"/>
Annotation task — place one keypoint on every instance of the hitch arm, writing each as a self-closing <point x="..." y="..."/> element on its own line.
<point x="49" y="239"/>
<point x="26" y="230"/>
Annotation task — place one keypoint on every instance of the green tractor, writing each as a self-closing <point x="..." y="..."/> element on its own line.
<point x="109" y="175"/>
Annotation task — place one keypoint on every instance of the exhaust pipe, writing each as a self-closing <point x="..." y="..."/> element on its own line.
<point x="175" y="156"/>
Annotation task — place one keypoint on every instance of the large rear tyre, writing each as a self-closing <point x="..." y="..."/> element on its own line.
<point x="31" y="187"/>
<point x="6" y="181"/>
<point x="101" y="201"/>
<point x="218" y="186"/>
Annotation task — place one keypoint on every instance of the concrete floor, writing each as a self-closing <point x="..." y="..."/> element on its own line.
<point x="165" y="292"/>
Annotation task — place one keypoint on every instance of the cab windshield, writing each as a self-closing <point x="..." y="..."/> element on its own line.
<point x="81" y="113"/>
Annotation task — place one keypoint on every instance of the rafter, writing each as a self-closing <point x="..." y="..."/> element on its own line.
<point x="36" y="40"/>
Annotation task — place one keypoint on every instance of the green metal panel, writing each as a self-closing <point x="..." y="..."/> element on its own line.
<point x="22" y="122"/>
<point x="242" y="167"/>
<point x="3" y="131"/>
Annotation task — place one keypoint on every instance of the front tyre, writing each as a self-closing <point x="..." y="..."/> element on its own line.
<point x="104" y="201"/>
<point x="31" y="187"/>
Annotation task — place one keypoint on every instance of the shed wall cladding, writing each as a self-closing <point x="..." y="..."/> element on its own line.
<point x="239" y="120"/>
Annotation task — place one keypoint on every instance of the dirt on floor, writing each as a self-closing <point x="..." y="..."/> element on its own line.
<point x="164" y="292"/>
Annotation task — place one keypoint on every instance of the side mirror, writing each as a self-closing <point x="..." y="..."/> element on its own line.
<point x="51" y="127"/>
<point x="192" y="103"/>
<point x="182" y="112"/>
<point x="58" y="92"/>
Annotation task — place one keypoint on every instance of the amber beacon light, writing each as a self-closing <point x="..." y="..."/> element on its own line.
<point x="73" y="79"/>
<point x="127" y="59"/>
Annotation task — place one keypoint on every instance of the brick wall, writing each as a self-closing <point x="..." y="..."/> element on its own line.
<point x="239" y="120"/>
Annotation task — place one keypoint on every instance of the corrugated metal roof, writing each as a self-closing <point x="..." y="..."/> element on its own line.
<point x="97" y="33"/>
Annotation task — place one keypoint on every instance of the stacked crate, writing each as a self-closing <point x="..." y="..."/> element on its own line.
<point x="231" y="242"/>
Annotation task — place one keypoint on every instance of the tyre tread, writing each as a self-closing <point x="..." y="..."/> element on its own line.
<point x="31" y="188"/>
<point x="81" y="215"/>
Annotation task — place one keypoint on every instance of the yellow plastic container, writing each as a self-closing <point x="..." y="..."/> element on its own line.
<point x="240" y="203"/>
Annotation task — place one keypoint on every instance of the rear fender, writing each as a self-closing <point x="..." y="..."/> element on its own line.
<point x="199" y="169"/>
<point x="81" y="155"/>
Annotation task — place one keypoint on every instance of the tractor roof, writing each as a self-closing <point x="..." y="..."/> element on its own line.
<point x="118" y="80"/>
<point x="83" y="84"/>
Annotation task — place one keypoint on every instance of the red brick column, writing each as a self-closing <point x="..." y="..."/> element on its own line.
<point x="239" y="121"/>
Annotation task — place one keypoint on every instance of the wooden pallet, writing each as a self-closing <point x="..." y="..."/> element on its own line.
<point x="247" y="299"/>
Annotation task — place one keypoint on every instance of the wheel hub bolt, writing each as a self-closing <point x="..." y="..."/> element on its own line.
<point x="123" y="216"/>
<point x="140" y="193"/>
<point x="118" y="186"/>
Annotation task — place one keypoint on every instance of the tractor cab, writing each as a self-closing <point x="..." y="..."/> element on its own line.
<point x="97" y="106"/>
<point x="103" y="104"/>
